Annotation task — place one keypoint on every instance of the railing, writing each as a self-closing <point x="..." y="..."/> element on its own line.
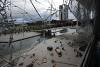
<point x="88" y="54"/>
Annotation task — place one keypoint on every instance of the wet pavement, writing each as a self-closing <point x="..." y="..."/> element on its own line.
<point x="40" y="56"/>
<point x="17" y="36"/>
<point x="59" y="51"/>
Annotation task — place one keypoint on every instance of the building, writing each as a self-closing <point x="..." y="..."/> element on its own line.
<point x="63" y="12"/>
<point x="60" y="12"/>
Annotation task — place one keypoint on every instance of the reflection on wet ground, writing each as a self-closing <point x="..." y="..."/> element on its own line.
<point x="60" y="51"/>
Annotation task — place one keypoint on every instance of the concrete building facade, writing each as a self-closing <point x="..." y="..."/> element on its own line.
<point x="63" y="12"/>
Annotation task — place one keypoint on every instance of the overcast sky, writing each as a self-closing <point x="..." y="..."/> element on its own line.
<point x="42" y="6"/>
